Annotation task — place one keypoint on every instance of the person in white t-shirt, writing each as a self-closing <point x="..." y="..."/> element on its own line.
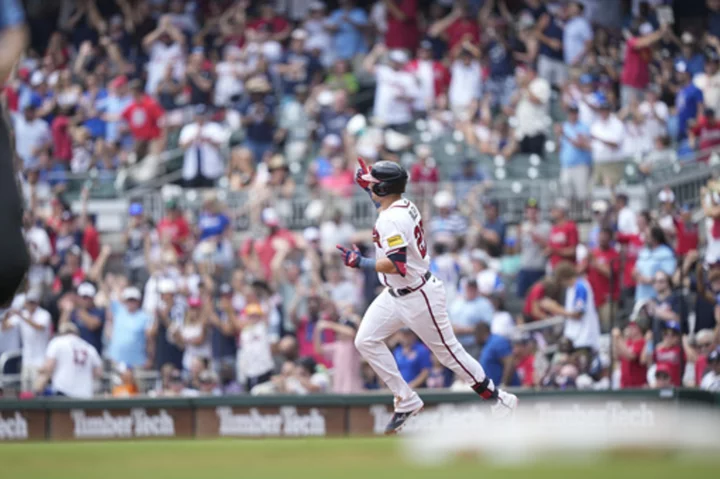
<point x="656" y="112"/>
<point x="582" y="324"/>
<point x="9" y="336"/>
<point x="254" y="358"/>
<point x="71" y="363"/>
<point x="231" y="73"/>
<point x="711" y="380"/>
<point x="34" y="324"/>
<point x="202" y="141"/>
<point x="626" y="218"/>
<point x="32" y="136"/>
<point x="396" y="91"/>
<point x="38" y="242"/>
<point x="166" y="46"/>
<point x="465" y="84"/>
<point x="607" y="133"/>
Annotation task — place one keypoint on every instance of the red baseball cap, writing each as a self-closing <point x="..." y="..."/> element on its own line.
<point x="663" y="368"/>
<point x="194" y="302"/>
<point x="119" y="81"/>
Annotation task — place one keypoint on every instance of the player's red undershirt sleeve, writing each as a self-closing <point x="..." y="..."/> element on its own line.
<point x="399" y="259"/>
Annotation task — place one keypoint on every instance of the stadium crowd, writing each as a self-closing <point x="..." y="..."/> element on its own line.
<point x="264" y="98"/>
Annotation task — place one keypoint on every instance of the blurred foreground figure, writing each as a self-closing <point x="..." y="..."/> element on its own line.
<point x="15" y="260"/>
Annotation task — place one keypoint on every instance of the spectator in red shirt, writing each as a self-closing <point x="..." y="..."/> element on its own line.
<point x="306" y="325"/>
<point x="631" y="244"/>
<point x="686" y="232"/>
<point x="62" y="140"/>
<point x="460" y="25"/>
<point x="424" y="174"/>
<point x="433" y="76"/>
<point x="261" y="252"/>
<point x="402" y="30"/>
<point x="542" y="290"/>
<point x="628" y="350"/>
<point x="705" y="135"/>
<point x="668" y="355"/>
<point x="564" y="236"/>
<point x="603" y="271"/>
<point x="279" y="28"/>
<point x="636" y="67"/>
<point x="524" y="359"/>
<point x="174" y="229"/>
<point x="143" y="117"/>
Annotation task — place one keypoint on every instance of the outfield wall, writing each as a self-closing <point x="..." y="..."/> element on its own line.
<point x="296" y="416"/>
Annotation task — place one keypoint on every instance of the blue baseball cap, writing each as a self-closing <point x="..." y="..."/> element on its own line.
<point x="586" y="79"/>
<point x="136" y="209"/>
<point x="673" y="325"/>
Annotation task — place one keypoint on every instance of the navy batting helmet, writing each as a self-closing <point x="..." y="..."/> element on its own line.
<point x="387" y="178"/>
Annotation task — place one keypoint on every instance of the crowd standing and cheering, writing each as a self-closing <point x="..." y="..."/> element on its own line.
<point x="262" y="97"/>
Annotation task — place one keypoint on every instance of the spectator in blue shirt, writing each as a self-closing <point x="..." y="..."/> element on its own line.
<point x="575" y="155"/>
<point x="493" y="228"/>
<point x="348" y="24"/>
<point x="412" y="358"/>
<point x="466" y="312"/>
<point x="693" y="59"/>
<point x="130" y="327"/>
<point x="296" y="66"/>
<point x="212" y="222"/>
<point x="88" y="318"/>
<point x="688" y="100"/>
<point x="496" y="357"/>
<point x="258" y="117"/>
<point x="655" y="256"/>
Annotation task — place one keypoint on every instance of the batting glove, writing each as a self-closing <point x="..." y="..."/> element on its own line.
<point x="351" y="257"/>
<point x="364" y="169"/>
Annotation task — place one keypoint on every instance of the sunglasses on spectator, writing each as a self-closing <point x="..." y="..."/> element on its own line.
<point x="662" y="376"/>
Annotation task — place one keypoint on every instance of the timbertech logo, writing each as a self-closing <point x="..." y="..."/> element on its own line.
<point x="13" y="428"/>
<point x="287" y="422"/>
<point x="137" y="424"/>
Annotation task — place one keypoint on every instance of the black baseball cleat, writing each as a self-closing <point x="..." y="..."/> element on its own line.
<point x="398" y="421"/>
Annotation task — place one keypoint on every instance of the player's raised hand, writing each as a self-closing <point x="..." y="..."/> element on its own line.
<point x="351" y="257"/>
<point x="364" y="169"/>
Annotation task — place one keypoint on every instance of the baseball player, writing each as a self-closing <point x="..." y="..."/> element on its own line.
<point x="413" y="297"/>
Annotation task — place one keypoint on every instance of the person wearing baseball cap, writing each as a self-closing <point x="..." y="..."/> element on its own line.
<point x="711" y="379"/>
<point x="129" y="330"/>
<point x="668" y="355"/>
<point x="575" y="155"/>
<point x="255" y="357"/>
<point x="192" y="335"/>
<point x="397" y="90"/>
<point x="89" y="319"/>
<point x="533" y="236"/>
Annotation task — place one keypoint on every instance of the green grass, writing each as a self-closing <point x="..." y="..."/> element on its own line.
<point x="299" y="459"/>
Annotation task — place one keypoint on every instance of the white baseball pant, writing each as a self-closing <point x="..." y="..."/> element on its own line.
<point x="424" y="312"/>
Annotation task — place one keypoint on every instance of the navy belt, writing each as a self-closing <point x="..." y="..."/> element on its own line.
<point x="397" y="293"/>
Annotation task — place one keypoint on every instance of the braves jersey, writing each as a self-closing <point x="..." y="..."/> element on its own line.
<point x="400" y="226"/>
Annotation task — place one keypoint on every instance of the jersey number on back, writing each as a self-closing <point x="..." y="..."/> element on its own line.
<point x="80" y="357"/>
<point x="420" y="239"/>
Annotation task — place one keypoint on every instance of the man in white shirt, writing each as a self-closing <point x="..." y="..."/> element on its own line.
<point x="71" y="363"/>
<point x="577" y="34"/>
<point x="709" y="82"/>
<point x="9" y="336"/>
<point x="32" y="136"/>
<point x="656" y="112"/>
<point x="34" y="324"/>
<point x="40" y="249"/>
<point x="165" y="45"/>
<point x="202" y="141"/>
<point x="396" y="90"/>
<point x="582" y="324"/>
<point x="711" y="380"/>
<point x="607" y="132"/>
<point x="626" y="218"/>
<point x="465" y="84"/>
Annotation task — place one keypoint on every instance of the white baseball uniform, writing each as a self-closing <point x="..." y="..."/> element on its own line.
<point x="75" y="363"/>
<point x="423" y="310"/>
